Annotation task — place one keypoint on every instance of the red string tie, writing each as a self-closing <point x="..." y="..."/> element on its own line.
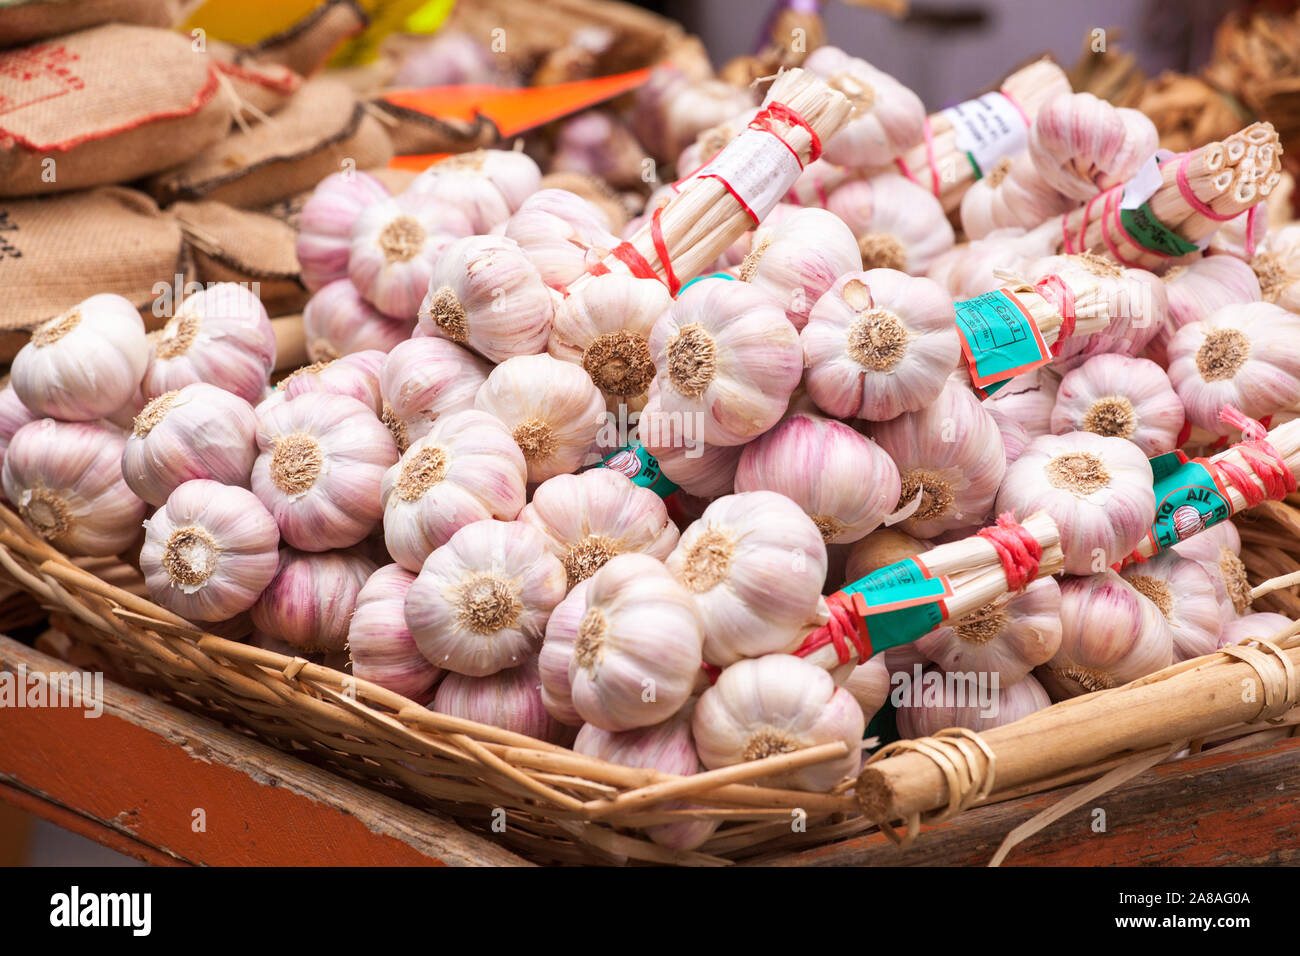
<point x="1017" y="549"/>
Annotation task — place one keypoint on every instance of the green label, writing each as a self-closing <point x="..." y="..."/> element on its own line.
<point x="1188" y="500"/>
<point x="883" y="725"/>
<point x="899" y="603"/>
<point x="1150" y="233"/>
<point x="999" y="338"/>
<point x="640" y="467"/>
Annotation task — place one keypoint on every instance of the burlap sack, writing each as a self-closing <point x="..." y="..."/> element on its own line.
<point x="309" y="43"/>
<point x="56" y="251"/>
<point x="260" y="87"/>
<point x="318" y="131"/>
<point x="22" y="21"/>
<point x="106" y="105"/>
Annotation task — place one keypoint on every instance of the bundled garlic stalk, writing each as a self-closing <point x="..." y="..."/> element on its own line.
<point x="1120" y="397"/>
<point x="1082" y="145"/>
<point x="709" y="142"/>
<point x="887" y="120"/>
<point x="325" y="225"/>
<point x="509" y="699"/>
<point x="1184" y="592"/>
<point x="1196" y="291"/>
<point x="1013" y="194"/>
<point x="561" y="234"/>
<point x="337" y="321"/>
<point x="898" y="224"/>
<point x="799" y="259"/>
<point x="961" y="708"/>
<point x="310" y="602"/>
<point x="424" y="378"/>
<point x="380" y="645"/>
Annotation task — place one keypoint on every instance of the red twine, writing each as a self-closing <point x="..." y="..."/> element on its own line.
<point x="1193" y="200"/>
<point x="1054" y="290"/>
<point x="1017" y="549"/>
<point x="1265" y="462"/>
<point x="661" y="249"/>
<point x="844" y="630"/>
<point x="637" y="263"/>
<point x="779" y="111"/>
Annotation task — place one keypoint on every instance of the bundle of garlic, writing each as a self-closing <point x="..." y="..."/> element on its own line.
<point x="1081" y="145"/>
<point x="1013" y="194"/>
<point x="958" y="707"/>
<point x="898" y="224"/>
<point x="1122" y="397"/>
<point x="797" y="260"/>
<point x="887" y="120"/>
<point x="1196" y="291"/>
<point x="965" y="142"/>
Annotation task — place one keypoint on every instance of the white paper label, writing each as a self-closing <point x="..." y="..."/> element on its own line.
<point x="758" y="168"/>
<point x="989" y="129"/>
<point x="1145" y="181"/>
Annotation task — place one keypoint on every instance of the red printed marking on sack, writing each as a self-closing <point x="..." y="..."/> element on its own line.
<point x="35" y="75"/>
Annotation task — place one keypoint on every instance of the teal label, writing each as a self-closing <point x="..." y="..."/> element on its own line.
<point x="711" y="275"/>
<point x="883" y="726"/>
<point x="999" y="339"/>
<point x="899" y="603"/>
<point x="1188" y="500"/>
<point x="1150" y="233"/>
<point x="640" y="467"/>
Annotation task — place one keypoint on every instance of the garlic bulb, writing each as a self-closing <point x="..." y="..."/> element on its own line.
<point x="878" y="344"/>
<point x="637" y="654"/>
<point x="1217" y="549"/>
<point x="486" y="185"/>
<point x="881" y="548"/>
<point x="667" y="747"/>
<point x="66" y="479"/>
<point x="561" y="234"/>
<point x="355" y="375"/>
<point x="774" y="705"/>
<point x="1261" y="626"/>
<point x="310" y="601"/>
<point x="1184" y="592"/>
<point x="326" y="221"/>
<point x="337" y="321"/>
<point x="199" y="431"/>
<point x="1278" y="268"/>
<point x="13" y="416"/>
<point x="1243" y="235"/>
<point x="1098" y="490"/>
<point x="590" y="517"/>
<point x="869" y="685"/>
<point x="597" y="143"/>
<point x="557" y="652"/>
<point x="509" y="699"/>
<point x="1028" y="400"/>
<point x="843" y="481"/>
<point x="671" y="109"/>
<point x="85" y="363"/>
<point x="209" y="551"/>
<point x="710" y="142"/>
<point x="898" y="224"/>
<point x="797" y="260"/>
<point x="726" y="354"/>
<point x="816" y="184"/>
<point x="1122" y="397"/>
<point x="220" y="335"/>
<point x="955" y="708"/>
<point x="1013" y="194"/>
<point x="1015" y="437"/>
<point x="380" y="645"/>
<point x="605" y="327"/>
<point x="1008" y="637"/>
<point x="950" y="455"/>
<point x="887" y="120"/>
<point x="1110" y="635"/>
<point x="480" y="602"/>
<point x="1082" y="145"/>
<point x="969" y="269"/>
<point x="467" y="468"/>
<point x="1196" y="291"/>
<point x="321" y="460"/>
<point x="452" y="58"/>
<point x="755" y="564"/>
<point x="486" y="295"/>
<point x="395" y="243"/>
<point x="424" y="378"/>
<point x="1244" y="355"/>
<point x="686" y="461"/>
<point x="552" y="408"/>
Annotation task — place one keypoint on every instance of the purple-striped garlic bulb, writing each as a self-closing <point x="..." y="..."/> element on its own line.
<point x="1247" y="356"/>
<point x="1196" y="291"/>
<point x="1218" y="550"/>
<point x="1098" y="490"/>
<point x="553" y="410"/>
<point x="466" y="468"/>
<point x="480" y="602"/>
<point x="486" y="295"/>
<point x="380" y="645"/>
<point x="950" y="461"/>
<point x="321" y="460"/>
<point x="453" y="58"/>
<point x="727" y="357"/>
<point x="1278" y="268"/>
<point x="667" y="747"/>
<point x="961" y="704"/>
<point x="355" y="375"/>
<point x="604" y="326"/>
<point x="1028" y="400"/>
<point x="209" y="551"/>
<point x="1013" y="194"/>
<point x="1082" y="145"/>
<point x="881" y="548"/>
<point x="220" y="335"/>
<point x="590" y="517"/>
<point x="83" y="364"/>
<point x="879" y="344"/>
<point x="699" y="469"/>
<point x="338" y="321"/>
<point x="1015" y="437"/>
<point x="638" y="651"/>
<point x="1121" y="397"/>
<point x="561" y="234"/>
<point x="887" y="119"/>
<point x="1184" y="592"/>
<point x="672" y="109"/>
<point x="869" y="684"/>
<point x="66" y="480"/>
<point x="798" y="259"/>
<point x="424" y="378"/>
<point x="1110" y="634"/>
<point x="842" y="480"/>
<point x="754" y="564"/>
<point x="597" y="143"/>
<point x="199" y="431"/>
<point x="510" y="699"/>
<point x="13" y="416"/>
<point x="486" y="185"/>
<point x="969" y="269"/>
<point x="772" y="705"/>
<point x="557" y="652"/>
<point x="1260" y="626"/>
<point x="310" y="602"/>
<point x="898" y="224"/>
<point x="326" y="221"/>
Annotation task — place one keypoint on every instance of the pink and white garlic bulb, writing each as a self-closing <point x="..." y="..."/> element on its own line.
<point x="1261" y="626"/>
<point x="561" y="234"/>
<point x="1082" y="145"/>
<point x="380" y="645"/>
<point x="199" y="431"/>
<point x="754" y="564"/>
<point x="66" y="480"/>
<point x="326" y="221"/>
<point x="898" y="224"/>
<point x="480" y="602"/>
<point x="887" y="120"/>
<point x="970" y="269"/>
<point x="1243" y="235"/>
<point x="843" y="481"/>
<point x="1013" y="194"/>
<point x="1217" y="549"/>
<point x="958" y="707"/>
<point x="424" y="378"/>
<point x="1196" y="291"/>
<point x="1028" y="400"/>
<point x="486" y="185"/>
<point x="337" y="321"/>
<point x="220" y="335"/>
<point x="590" y="517"/>
<point x="1277" y="266"/>
<point x="309" y="603"/>
<point x="355" y="375"/>
<point x="671" y="109"/>
<point x="697" y="468"/>
<point x="467" y="468"/>
<point x="557" y="652"/>
<point x="597" y="143"/>
<point x="881" y="548"/>
<point x="553" y="410"/>
<point x="878" y="344"/>
<point x="1122" y="397"/>
<point x="798" y="259"/>
<point x="726" y="355"/>
<point x="486" y="295"/>
<point x="1184" y="592"/>
<point x="509" y="699"/>
<point x="83" y="364"/>
<point x="1015" y="437"/>
<point x="773" y="705"/>
<point x="453" y="58"/>
<point x="1098" y="490"/>
<point x="321" y="460"/>
<point x="869" y="684"/>
<point x="209" y="551"/>
<point x="13" y="416"/>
